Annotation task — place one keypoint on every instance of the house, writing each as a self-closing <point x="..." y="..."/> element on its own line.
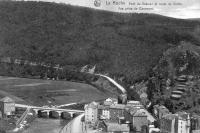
<point x="160" y="110"/>
<point x="7" y="106"/>
<point x="116" y="127"/>
<point x="110" y="101"/>
<point x="175" y="123"/>
<point x="183" y="122"/>
<point x="117" y="112"/>
<point x="103" y="112"/>
<point x="168" y="123"/>
<point x="134" y="104"/>
<point x="137" y="118"/>
<point x="91" y="113"/>
<point x="195" y="123"/>
<point x="92" y="70"/>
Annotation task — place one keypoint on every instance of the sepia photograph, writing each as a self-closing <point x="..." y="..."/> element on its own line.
<point x="99" y="66"/>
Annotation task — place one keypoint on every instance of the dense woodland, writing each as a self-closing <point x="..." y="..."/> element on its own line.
<point x="119" y="44"/>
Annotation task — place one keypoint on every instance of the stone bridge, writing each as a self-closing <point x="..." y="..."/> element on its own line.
<point x="52" y="112"/>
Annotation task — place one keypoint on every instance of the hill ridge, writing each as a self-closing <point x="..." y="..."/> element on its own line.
<point x="120" y="44"/>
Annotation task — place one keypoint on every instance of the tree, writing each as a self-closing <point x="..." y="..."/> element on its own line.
<point x="169" y="105"/>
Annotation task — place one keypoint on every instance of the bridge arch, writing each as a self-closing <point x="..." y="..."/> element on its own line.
<point x="66" y="115"/>
<point x="43" y="114"/>
<point x="54" y="114"/>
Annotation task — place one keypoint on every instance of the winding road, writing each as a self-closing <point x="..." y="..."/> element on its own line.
<point x="121" y="88"/>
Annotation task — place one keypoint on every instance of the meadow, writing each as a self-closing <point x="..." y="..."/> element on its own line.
<point x="47" y="92"/>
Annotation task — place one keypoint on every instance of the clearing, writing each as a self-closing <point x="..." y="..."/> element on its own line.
<point x="47" y="92"/>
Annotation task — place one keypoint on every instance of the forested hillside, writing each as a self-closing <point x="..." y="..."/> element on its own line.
<point x="121" y="44"/>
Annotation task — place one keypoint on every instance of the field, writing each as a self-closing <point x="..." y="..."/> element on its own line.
<point x="47" y="92"/>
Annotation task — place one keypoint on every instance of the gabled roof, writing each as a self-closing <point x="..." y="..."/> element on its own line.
<point x="7" y="100"/>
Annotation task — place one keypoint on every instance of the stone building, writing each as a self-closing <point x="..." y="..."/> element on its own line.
<point x="117" y="128"/>
<point x="117" y="112"/>
<point x="160" y="110"/>
<point x="168" y="123"/>
<point x="183" y="122"/>
<point x="91" y="113"/>
<point x="195" y="123"/>
<point x="137" y="118"/>
<point x="7" y="106"/>
<point x="103" y="112"/>
<point x="175" y="123"/>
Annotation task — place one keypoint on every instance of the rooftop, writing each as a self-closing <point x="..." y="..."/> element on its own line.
<point x="137" y="112"/>
<point x="103" y="107"/>
<point x="7" y="100"/>
<point x="92" y="105"/>
<point x="118" y="106"/>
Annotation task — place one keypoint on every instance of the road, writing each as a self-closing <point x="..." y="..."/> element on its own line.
<point x="122" y="89"/>
<point x="75" y="126"/>
<point x="65" y="105"/>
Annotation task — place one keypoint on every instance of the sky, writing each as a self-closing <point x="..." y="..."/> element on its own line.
<point x="173" y="8"/>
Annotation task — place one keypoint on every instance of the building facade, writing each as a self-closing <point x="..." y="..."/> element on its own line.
<point x="7" y="106"/>
<point x="103" y="112"/>
<point x="168" y="123"/>
<point x="195" y="123"/>
<point x="91" y="113"/>
<point x="160" y="110"/>
<point x="140" y="120"/>
<point x="175" y="123"/>
<point x="117" y="128"/>
<point x="183" y="122"/>
<point x="137" y="118"/>
<point x="117" y="112"/>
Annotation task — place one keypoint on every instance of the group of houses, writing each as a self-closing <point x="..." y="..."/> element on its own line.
<point x="180" y="122"/>
<point x="117" y="116"/>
